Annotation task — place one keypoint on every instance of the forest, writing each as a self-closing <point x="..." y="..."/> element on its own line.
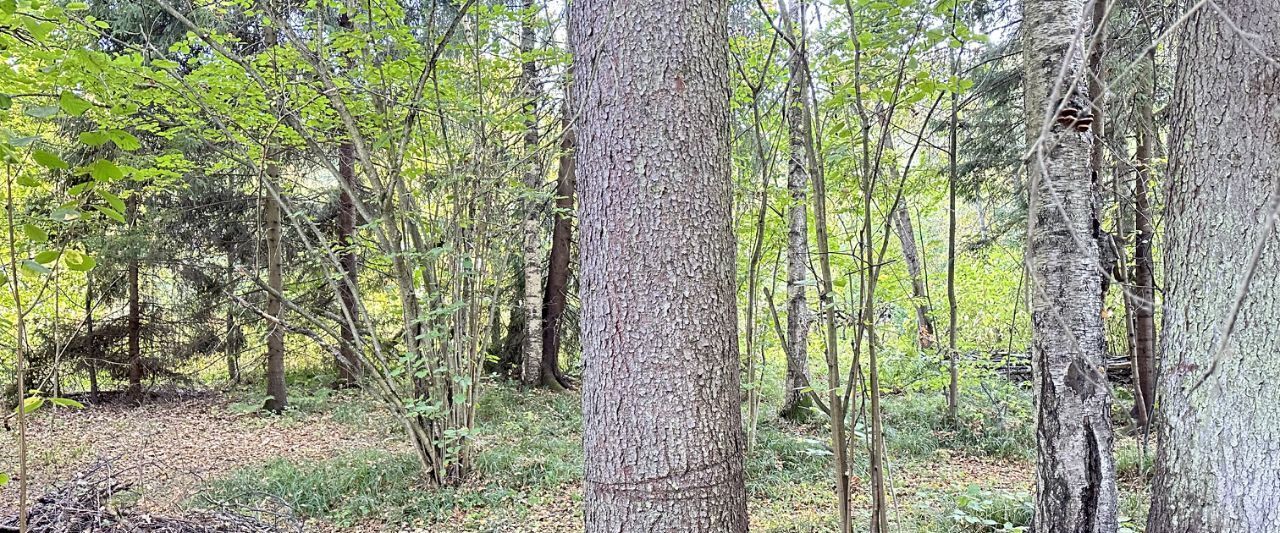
<point x="948" y="266"/>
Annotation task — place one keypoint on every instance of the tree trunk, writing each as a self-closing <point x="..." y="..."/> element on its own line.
<point x="1075" y="481"/>
<point x="135" y="313"/>
<point x="92" y="356"/>
<point x="347" y="363"/>
<point x="796" y="403"/>
<point x="953" y="180"/>
<point x="1216" y="468"/>
<point x="1144" y="294"/>
<point x="229" y="348"/>
<point x="277" y="397"/>
<point x="558" y="265"/>
<point x="915" y="269"/>
<point x="662" y="429"/>
<point x="531" y="362"/>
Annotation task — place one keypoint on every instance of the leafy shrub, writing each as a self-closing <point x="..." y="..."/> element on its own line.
<point x="986" y="511"/>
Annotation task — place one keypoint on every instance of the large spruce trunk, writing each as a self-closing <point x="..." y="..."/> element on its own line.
<point x="1217" y="465"/>
<point x="1075" y="475"/>
<point x="662" y="429"/>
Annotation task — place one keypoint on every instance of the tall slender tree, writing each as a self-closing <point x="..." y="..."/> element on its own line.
<point x="555" y="298"/>
<point x="531" y="360"/>
<point x="796" y="403"/>
<point x="662" y="429"/>
<point x="1075" y="481"/>
<point x="1216" y="468"/>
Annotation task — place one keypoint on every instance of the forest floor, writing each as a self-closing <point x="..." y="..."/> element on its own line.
<point x="341" y="466"/>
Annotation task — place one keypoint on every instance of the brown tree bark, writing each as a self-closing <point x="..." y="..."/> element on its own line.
<point x="277" y="394"/>
<point x="1075" y="481"/>
<point x="662" y="430"/>
<point x="347" y="363"/>
<point x="1216" y="468"/>
<point x="1144" y="294"/>
<point x="554" y="300"/>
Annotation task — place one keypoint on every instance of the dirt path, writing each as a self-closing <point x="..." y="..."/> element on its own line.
<point x="172" y="446"/>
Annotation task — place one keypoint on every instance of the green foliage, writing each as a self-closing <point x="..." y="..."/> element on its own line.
<point x="994" y="421"/>
<point x="981" y="511"/>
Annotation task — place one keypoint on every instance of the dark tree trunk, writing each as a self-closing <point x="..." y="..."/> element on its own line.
<point x="135" y="313"/>
<point x="230" y="349"/>
<point x="348" y="362"/>
<point x="662" y="429"/>
<point x="1217" y="467"/>
<point x="1075" y="475"/>
<point x="558" y="266"/>
<point x="92" y="356"/>
<point x="277" y="397"/>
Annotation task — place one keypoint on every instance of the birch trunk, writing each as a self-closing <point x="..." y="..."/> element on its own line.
<point x="531" y="361"/>
<point x="662" y="423"/>
<point x="1217" y="467"/>
<point x="1075" y="475"/>
<point x="795" y="401"/>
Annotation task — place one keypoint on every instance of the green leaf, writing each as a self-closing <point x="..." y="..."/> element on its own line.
<point x="35" y="268"/>
<point x="78" y="188"/>
<point x="41" y="111"/>
<point x="111" y="213"/>
<point x="65" y="214"/>
<point x="6" y="101"/>
<point x="27" y="180"/>
<point x="72" y="104"/>
<point x="125" y="140"/>
<point x="66" y="402"/>
<point x="35" y="234"/>
<point x="4" y="479"/>
<point x="105" y="170"/>
<point x="94" y="138"/>
<point x="47" y="256"/>
<point x="48" y="159"/>
<point x="31" y="404"/>
<point x="115" y="201"/>
<point x="165" y="64"/>
<point x="79" y="261"/>
<point x="77" y="6"/>
<point x="8" y="7"/>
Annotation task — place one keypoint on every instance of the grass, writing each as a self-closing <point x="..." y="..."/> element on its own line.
<point x="528" y="464"/>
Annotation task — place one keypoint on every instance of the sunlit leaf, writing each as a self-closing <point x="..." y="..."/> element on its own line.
<point x="35" y="234"/>
<point x="48" y="159"/>
<point x="72" y="104"/>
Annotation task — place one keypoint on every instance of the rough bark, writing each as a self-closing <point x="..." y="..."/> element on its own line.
<point x="555" y="298"/>
<point x="915" y="269"/>
<point x="277" y="397"/>
<point x="663" y="432"/>
<point x="1217" y="466"/>
<point x="796" y="403"/>
<point x="531" y="360"/>
<point x="1075" y="475"/>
